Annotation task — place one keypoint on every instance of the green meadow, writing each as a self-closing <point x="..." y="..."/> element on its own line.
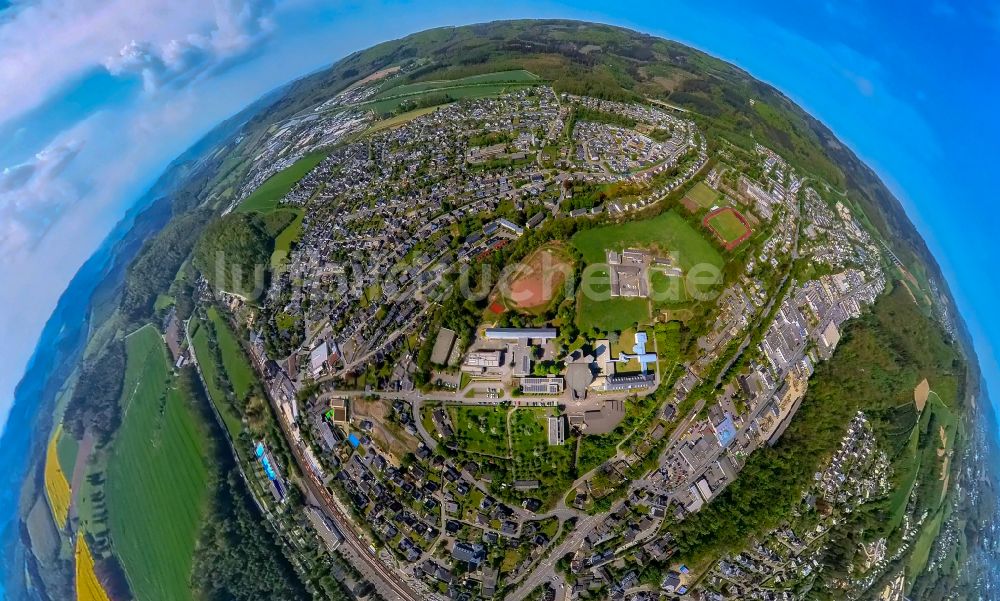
<point x="266" y="197"/>
<point x="158" y="477"/>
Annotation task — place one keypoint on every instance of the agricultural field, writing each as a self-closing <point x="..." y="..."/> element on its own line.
<point x="157" y="476"/>
<point x="907" y="467"/>
<point x="234" y="360"/>
<point x="537" y="281"/>
<point x="730" y="227"/>
<point x="701" y="196"/>
<point x="88" y="588"/>
<point x="209" y="370"/>
<point x="56" y="483"/>
<point x="514" y="76"/>
<point x="442" y="95"/>
<point x="68" y="448"/>
<point x="265" y="198"/>
<point x="924" y="543"/>
<point x="283" y="241"/>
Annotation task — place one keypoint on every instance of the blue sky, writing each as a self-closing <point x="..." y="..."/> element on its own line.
<point x="96" y="97"/>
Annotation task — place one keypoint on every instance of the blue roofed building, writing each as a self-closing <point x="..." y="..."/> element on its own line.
<point x="726" y="431"/>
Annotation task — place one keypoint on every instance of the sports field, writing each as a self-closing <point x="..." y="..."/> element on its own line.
<point x="538" y="279"/>
<point x="88" y="588"/>
<point x="265" y="198"/>
<point x="667" y="232"/>
<point x="157" y="478"/>
<point x="730" y="227"/>
<point x="702" y="195"/>
<point x="56" y="483"/>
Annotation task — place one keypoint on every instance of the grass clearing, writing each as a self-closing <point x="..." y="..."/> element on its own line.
<point x="266" y="197"/>
<point x="157" y="478"/>
<point x="523" y="453"/>
<point x="481" y="430"/>
<point x="668" y="290"/>
<point x="163" y="302"/>
<point x="610" y="315"/>
<point x="56" y="484"/>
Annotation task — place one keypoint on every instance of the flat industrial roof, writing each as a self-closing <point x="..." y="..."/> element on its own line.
<point x="519" y="333"/>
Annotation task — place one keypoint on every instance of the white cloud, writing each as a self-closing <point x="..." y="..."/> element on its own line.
<point x="238" y="26"/>
<point x="180" y="40"/>
<point x="33" y="197"/>
<point x="46" y="44"/>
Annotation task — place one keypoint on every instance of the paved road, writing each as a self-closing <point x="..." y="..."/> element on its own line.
<point x="545" y="570"/>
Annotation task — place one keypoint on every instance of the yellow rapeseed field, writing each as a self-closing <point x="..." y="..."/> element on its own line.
<point x="88" y="588"/>
<point x="56" y="484"/>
